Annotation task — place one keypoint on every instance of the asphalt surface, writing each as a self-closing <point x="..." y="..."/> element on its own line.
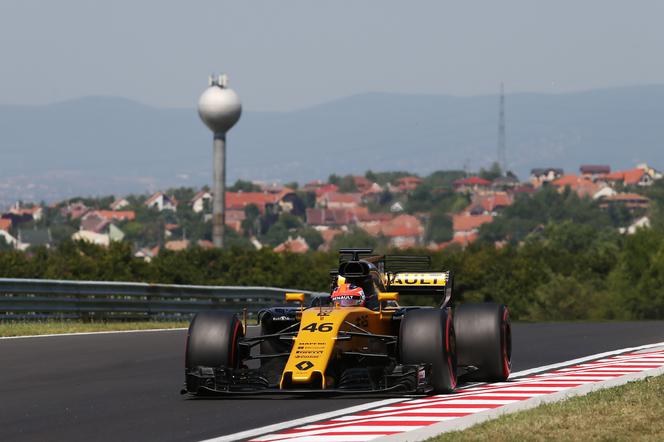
<point x="126" y="386"/>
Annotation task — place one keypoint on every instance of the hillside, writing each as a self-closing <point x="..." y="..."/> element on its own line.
<point x="113" y="145"/>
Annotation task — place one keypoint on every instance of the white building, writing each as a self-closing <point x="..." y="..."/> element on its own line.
<point x="8" y="238"/>
<point x="161" y="202"/>
<point x="202" y="201"/>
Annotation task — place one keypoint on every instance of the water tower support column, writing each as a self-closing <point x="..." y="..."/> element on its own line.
<point x="219" y="108"/>
<point x="219" y="192"/>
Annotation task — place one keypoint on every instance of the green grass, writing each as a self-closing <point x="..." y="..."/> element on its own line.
<point x="634" y="411"/>
<point x="28" y="328"/>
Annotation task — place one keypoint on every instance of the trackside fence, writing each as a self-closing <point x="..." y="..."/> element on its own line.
<point x="44" y="298"/>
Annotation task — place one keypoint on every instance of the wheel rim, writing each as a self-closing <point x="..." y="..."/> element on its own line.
<point x="234" y="344"/>
<point x="450" y="348"/>
<point x="506" y="344"/>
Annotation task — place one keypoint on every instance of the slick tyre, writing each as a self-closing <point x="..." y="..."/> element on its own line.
<point x="484" y="340"/>
<point x="427" y="336"/>
<point x="212" y="340"/>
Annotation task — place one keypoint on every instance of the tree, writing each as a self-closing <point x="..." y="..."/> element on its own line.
<point x="4" y="245"/>
<point x="562" y="298"/>
<point x="347" y="184"/>
<point x="233" y="240"/>
<point x="61" y="232"/>
<point x="528" y="214"/>
<point x="277" y="234"/>
<point x="439" y="227"/>
<point x="492" y="173"/>
<point x="182" y="194"/>
<point x="334" y="179"/>
<point x="244" y="186"/>
<point x="355" y="238"/>
<point x="383" y="178"/>
<point x="308" y="198"/>
<point x="290" y="221"/>
<point x="444" y="178"/>
<point x="312" y="236"/>
<point x="251" y="222"/>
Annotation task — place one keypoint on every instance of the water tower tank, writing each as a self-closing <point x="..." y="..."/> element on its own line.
<point x="219" y="107"/>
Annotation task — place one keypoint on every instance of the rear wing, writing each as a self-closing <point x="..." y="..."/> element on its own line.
<point x="418" y="283"/>
<point x="387" y="263"/>
<point x="405" y="274"/>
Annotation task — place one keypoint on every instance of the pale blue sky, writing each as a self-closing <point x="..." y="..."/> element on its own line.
<point x="282" y="55"/>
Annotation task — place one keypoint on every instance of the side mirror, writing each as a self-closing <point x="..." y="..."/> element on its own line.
<point x="388" y="296"/>
<point x="295" y="297"/>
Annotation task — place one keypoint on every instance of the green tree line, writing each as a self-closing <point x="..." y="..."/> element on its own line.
<point x="566" y="271"/>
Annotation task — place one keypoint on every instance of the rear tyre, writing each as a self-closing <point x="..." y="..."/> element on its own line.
<point x="212" y="340"/>
<point x="484" y="340"/>
<point x="427" y="337"/>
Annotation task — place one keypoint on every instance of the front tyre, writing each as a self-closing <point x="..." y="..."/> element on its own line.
<point x="484" y="340"/>
<point x="212" y="340"/>
<point x="427" y="336"/>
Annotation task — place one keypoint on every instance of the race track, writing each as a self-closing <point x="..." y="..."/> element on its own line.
<point x="126" y="386"/>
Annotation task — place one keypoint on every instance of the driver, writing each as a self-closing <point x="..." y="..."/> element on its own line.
<point x="348" y="295"/>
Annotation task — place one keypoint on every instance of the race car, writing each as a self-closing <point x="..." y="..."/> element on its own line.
<point x="357" y="339"/>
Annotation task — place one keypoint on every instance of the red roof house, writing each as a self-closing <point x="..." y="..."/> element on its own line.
<point x="362" y="183"/>
<point x="336" y="200"/>
<point x="408" y="183"/>
<point x="326" y="188"/>
<point x="234" y="218"/>
<point x="329" y="217"/>
<point x="402" y="231"/>
<point x="629" y="200"/>
<point x="297" y="245"/>
<point x="489" y="203"/>
<point x="469" y="184"/>
<point x="240" y="200"/>
<point x="5" y="224"/>
<point x="632" y="177"/>
<point x="582" y="186"/>
<point x="118" y="215"/>
<point x="461" y="240"/>
<point x="466" y="224"/>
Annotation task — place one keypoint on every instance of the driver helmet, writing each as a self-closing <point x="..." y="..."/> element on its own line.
<point x="348" y="295"/>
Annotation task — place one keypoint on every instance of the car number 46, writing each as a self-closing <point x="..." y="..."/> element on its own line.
<point x="324" y="327"/>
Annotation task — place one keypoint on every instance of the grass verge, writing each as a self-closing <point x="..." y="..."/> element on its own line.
<point x="28" y="328"/>
<point x="634" y="411"/>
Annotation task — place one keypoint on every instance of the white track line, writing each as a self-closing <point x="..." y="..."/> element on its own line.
<point x="583" y="359"/>
<point x="110" y="332"/>
<point x="372" y="405"/>
<point x="304" y="420"/>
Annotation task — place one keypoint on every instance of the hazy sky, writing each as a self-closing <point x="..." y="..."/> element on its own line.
<point x="283" y="55"/>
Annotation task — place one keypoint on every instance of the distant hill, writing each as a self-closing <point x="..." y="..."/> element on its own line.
<point x="112" y="145"/>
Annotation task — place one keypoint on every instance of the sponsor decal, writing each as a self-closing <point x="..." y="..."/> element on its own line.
<point x="304" y="365"/>
<point x="410" y="279"/>
<point x="311" y="350"/>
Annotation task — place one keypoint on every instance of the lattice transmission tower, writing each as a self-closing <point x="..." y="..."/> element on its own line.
<point x="502" y="142"/>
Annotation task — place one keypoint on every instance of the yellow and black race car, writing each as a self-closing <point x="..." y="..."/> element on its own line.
<point x="356" y="340"/>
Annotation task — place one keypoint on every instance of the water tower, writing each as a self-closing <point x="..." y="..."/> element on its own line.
<point x="219" y="108"/>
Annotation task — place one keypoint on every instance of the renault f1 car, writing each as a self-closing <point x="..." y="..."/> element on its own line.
<point x="379" y="347"/>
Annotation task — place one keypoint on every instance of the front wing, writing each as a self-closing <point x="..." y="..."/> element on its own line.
<point x="404" y="379"/>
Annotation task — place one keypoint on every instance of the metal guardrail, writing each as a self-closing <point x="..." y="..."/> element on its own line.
<point x="43" y="298"/>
